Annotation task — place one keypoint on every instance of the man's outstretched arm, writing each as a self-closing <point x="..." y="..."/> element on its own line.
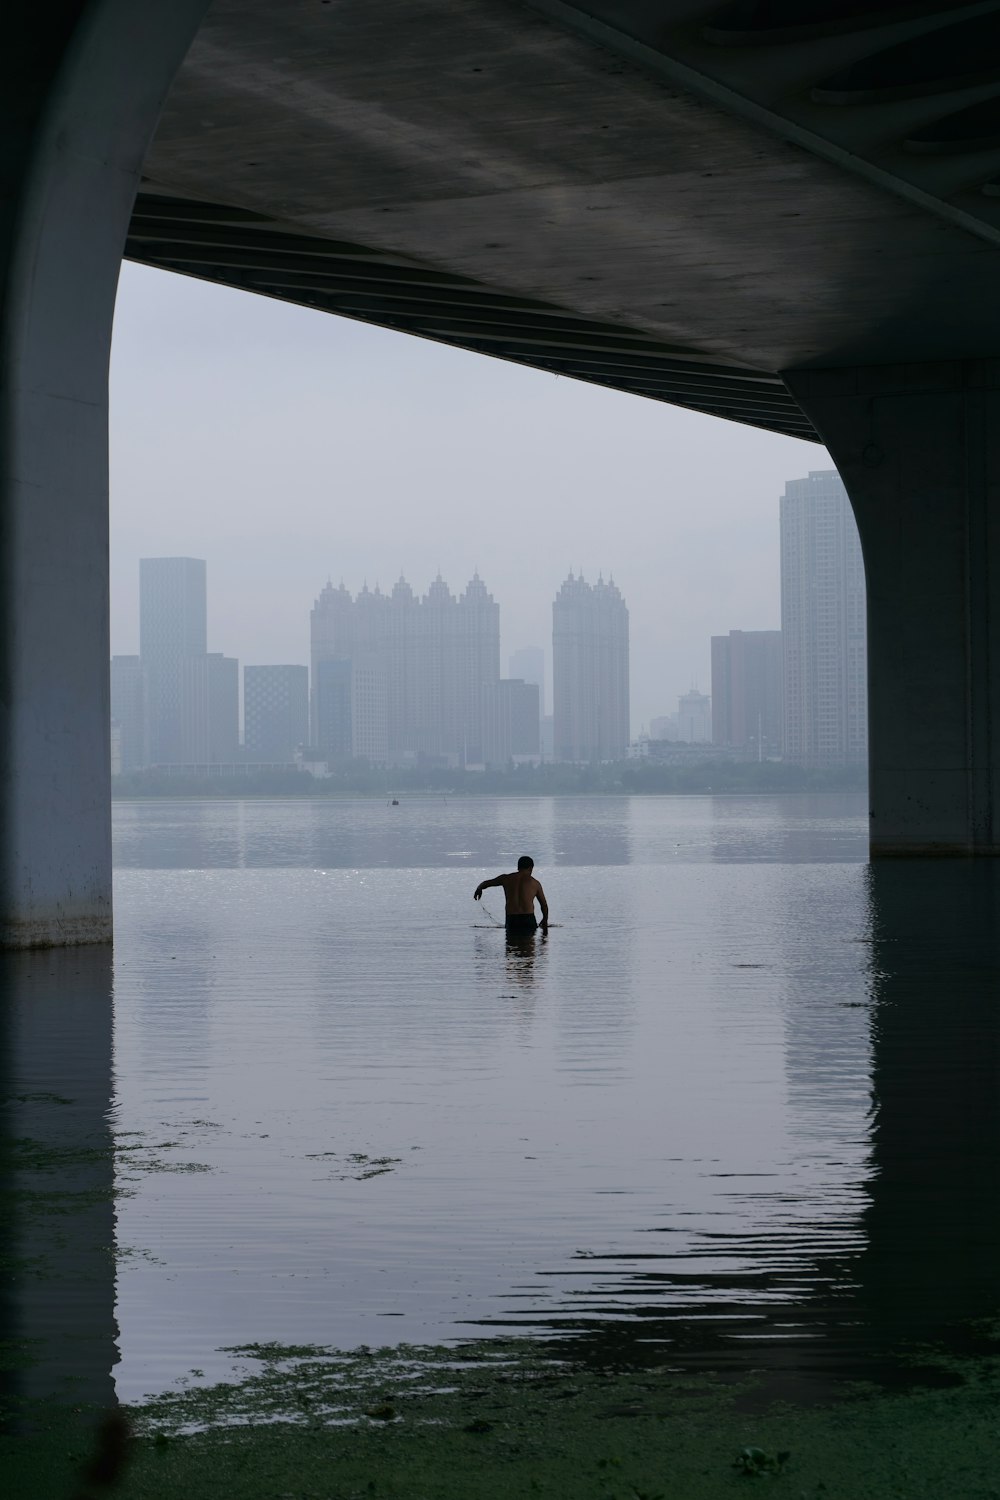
<point x="484" y="885"/>
<point x="540" y="897"/>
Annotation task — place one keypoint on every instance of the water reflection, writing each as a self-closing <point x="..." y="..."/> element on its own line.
<point x="590" y="831"/>
<point x="887" y="1252"/>
<point x="825" y="827"/>
<point x="56" y="1198"/>
<point x="724" y="1118"/>
<point x="338" y="833"/>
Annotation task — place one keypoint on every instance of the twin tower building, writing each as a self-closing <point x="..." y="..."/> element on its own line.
<point x="401" y="679"/>
<point x="394" y="679"/>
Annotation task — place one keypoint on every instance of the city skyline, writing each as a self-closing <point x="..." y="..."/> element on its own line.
<point x="359" y="626"/>
<point x="403" y="677"/>
<point x="527" y="652"/>
<point x="394" y="679"/>
<point x="288" y="444"/>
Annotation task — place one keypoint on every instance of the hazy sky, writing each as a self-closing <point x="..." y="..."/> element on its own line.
<point x="286" y="446"/>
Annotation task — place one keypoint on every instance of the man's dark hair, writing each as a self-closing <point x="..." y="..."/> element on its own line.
<point x="526" y="862"/>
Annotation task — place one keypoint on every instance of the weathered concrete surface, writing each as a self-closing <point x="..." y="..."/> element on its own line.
<point x="611" y="160"/>
<point x="79" y="99"/>
<point x="918" y="447"/>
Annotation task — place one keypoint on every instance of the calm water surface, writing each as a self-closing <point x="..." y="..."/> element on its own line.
<point x="738" y="1110"/>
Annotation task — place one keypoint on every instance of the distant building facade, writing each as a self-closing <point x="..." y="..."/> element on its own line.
<point x="116" y="748"/>
<point x="369" y="713"/>
<point x="128" y="713"/>
<point x="823" y="624"/>
<point x="352" y="711"/>
<point x="275" y="712"/>
<point x="590" y="672"/>
<point x="210" y="709"/>
<point x="332" y="734"/>
<point x="432" y="656"/>
<point x="748" y="691"/>
<point x="511" y="722"/>
<point x="173" y="627"/>
<point x="664" y="727"/>
<point x="528" y="664"/>
<point x="694" y="718"/>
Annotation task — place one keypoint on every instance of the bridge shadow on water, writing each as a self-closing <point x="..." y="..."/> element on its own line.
<point x="57" y="1210"/>
<point x="876" y="1297"/>
<point x="892" y="1293"/>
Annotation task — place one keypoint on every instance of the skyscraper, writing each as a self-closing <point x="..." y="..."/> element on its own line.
<point x="275" y="711"/>
<point x="694" y="717"/>
<point x="352" y="711"/>
<point x="477" y="640"/>
<point x="210" y="709"/>
<point x="172" y="627"/>
<point x="332" y="730"/>
<point x="822" y="624"/>
<point x="128" y="710"/>
<point x="434" y="655"/>
<point x="590" y="671"/>
<point x="369" y="712"/>
<point x="747" y="690"/>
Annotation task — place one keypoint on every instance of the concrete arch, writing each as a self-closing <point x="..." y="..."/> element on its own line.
<point x="917" y="448"/>
<point x="83" y="83"/>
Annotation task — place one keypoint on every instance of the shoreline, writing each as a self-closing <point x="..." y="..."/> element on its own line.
<point x="504" y="1418"/>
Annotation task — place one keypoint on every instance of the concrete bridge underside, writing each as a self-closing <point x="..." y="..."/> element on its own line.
<point x="781" y="212"/>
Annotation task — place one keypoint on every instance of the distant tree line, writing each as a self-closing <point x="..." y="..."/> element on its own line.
<point x="358" y="778"/>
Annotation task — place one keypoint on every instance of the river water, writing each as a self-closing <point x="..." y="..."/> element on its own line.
<point x="737" y="1111"/>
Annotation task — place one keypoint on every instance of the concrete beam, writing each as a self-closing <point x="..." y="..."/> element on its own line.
<point x="81" y="93"/>
<point x="918" y="448"/>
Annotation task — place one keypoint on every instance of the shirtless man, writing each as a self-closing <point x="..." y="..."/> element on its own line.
<point x="521" y="890"/>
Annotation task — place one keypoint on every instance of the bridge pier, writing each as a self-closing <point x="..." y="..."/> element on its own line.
<point x="83" y="84"/>
<point x="918" y="448"/>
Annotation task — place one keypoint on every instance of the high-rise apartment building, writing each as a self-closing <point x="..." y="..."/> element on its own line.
<point x="822" y="624"/>
<point x="275" y="712"/>
<point x="352" y="719"/>
<point x="434" y="655"/>
<point x="332" y="730"/>
<point x="694" y="718"/>
<point x="370" y="712"/>
<point x="172" y="628"/>
<point x="511" y="722"/>
<point x="747" y="692"/>
<point x="529" y="665"/>
<point x="590" y="671"/>
<point x="128" y="711"/>
<point x="210" y="709"/>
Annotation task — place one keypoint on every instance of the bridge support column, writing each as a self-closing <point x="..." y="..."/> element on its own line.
<point x="82" y="85"/>
<point x="918" y="448"/>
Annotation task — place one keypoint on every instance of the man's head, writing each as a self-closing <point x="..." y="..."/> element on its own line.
<point x="526" y="862"/>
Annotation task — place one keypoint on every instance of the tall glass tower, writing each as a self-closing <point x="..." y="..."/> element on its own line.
<point x="823" y="628"/>
<point x="590" y="671"/>
<point x="173" y="627"/>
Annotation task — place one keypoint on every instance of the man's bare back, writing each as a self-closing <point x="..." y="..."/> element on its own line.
<point x="521" y="890"/>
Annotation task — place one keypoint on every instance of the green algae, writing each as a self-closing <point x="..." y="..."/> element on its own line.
<point x="359" y="1166"/>
<point x="501" y="1419"/>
